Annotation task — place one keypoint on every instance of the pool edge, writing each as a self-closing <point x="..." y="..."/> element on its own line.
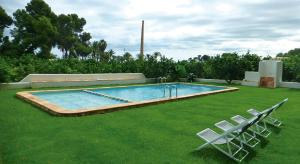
<point x="59" y="111"/>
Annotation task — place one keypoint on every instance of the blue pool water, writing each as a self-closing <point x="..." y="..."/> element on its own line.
<point x="72" y="100"/>
<point x="150" y="92"/>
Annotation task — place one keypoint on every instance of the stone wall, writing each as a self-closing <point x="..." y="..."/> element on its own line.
<point x="82" y="77"/>
<point x="290" y="84"/>
<point x="63" y="80"/>
<point x="217" y="81"/>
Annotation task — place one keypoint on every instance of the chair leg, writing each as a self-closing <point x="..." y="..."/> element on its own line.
<point x="261" y="131"/>
<point x="273" y="121"/>
<point x="251" y="140"/>
<point x="231" y="153"/>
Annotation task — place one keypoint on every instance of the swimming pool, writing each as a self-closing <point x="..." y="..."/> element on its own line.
<point x="98" y="100"/>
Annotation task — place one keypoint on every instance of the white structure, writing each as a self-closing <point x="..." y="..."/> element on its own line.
<point x="269" y="74"/>
<point x="290" y="84"/>
<point x="59" y="80"/>
<point x="268" y="70"/>
<point x="251" y="79"/>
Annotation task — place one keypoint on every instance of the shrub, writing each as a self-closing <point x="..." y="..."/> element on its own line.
<point x="5" y="71"/>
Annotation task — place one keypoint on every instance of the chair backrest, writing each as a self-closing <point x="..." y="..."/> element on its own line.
<point x="251" y="122"/>
<point x="214" y="137"/>
<point x="268" y="111"/>
<point x="261" y="116"/>
<point x="280" y="103"/>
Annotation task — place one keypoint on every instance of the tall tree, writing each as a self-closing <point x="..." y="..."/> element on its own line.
<point x="69" y="29"/>
<point x="35" y="28"/>
<point x="6" y="47"/>
<point x="98" y="50"/>
<point x="127" y="57"/>
<point x="95" y="51"/>
<point x="228" y="67"/>
<point x="249" y="62"/>
<point x="108" y="56"/>
<point x="82" y="47"/>
<point x="157" y="55"/>
<point x="290" y="53"/>
<point x="5" y="21"/>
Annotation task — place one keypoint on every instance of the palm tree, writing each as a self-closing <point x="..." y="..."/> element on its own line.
<point x="98" y="50"/>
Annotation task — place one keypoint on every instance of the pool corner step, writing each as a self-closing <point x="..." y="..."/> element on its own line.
<point x="104" y="95"/>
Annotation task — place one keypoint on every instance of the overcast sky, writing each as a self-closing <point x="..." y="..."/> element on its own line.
<point x="186" y="28"/>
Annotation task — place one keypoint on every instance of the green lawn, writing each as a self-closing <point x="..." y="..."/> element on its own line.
<point x="163" y="133"/>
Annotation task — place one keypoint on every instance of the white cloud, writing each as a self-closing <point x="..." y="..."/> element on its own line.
<point x="225" y="8"/>
<point x="137" y="8"/>
<point x="186" y="28"/>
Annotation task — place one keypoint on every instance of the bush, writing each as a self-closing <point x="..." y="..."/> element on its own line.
<point x="228" y="66"/>
<point x="178" y="72"/>
<point x="191" y="77"/>
<point x="291" y="68"/>
<point x="5" y="71"/>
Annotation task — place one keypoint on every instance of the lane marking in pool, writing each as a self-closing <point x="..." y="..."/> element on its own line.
<point x="104" y="95"/>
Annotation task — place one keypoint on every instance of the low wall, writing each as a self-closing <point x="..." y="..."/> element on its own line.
<point x="217" y="81"/>
<point x="65" y="80"/>
<point x="250" y="83"/>
<point x="151" y="80"/>
<point x="289" y="84"/>
<point x="83" y="83"/>
<point x="17" y="85"/>
<point x="40" y="84"/>
<point x="82" y="77"/>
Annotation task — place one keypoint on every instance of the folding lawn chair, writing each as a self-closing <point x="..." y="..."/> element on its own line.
<point x="257" y="129"/>
<point x="246" y="138"/>
<point x="223" y="142"/>
<point x="270" y="120"/>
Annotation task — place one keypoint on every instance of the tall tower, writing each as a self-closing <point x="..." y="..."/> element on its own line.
<point x="142" y="41"/>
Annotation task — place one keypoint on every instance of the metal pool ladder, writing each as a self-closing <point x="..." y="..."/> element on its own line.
<point x="169" y="87"/>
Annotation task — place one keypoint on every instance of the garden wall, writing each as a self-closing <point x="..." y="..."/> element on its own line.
<point x="281" y="84"/>
<point x="32" y="81"/>
<point x="62" y="80"/>
<point x="289" y="85"/>
<point x="217" y="81"/>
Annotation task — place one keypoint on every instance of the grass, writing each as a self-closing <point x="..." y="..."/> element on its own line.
<point x="163" y="133"/>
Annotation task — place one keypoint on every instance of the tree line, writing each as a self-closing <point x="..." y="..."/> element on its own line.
<point x="36" y="29"/>
<point x="291" y="65"/>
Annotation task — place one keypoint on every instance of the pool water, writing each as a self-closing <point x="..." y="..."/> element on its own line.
<point x="142" y="93"/>
<point x="83" y="99"/>
<point x="73" y="100"/>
